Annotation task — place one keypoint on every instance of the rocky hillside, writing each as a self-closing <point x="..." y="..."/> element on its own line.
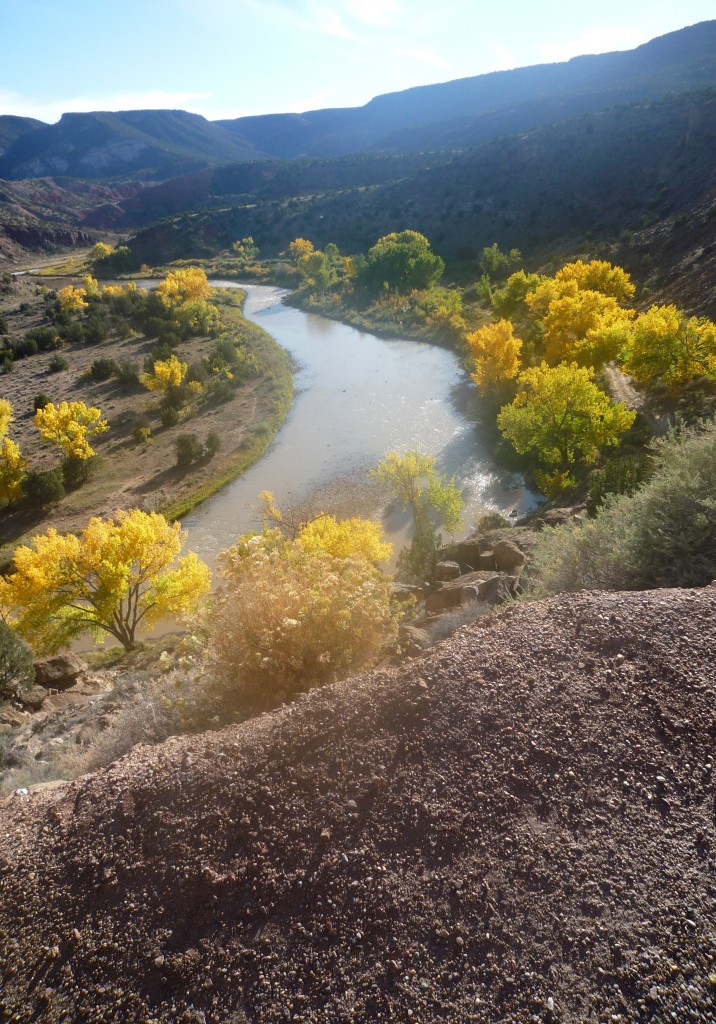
<point x="517" y="826"/>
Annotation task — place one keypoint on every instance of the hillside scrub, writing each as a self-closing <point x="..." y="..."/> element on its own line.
<point x="662" y="535"/>
<point x="290" y="616"/>
<point x="237" y="374"/>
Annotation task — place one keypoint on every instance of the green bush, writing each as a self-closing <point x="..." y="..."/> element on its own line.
<point x="662" y="535"/>
<point x="189" y="449"/>
<point x="169" y="416"/>
<point x="40" y="401"/>
<point x="103" y="369"/>
<point x="212" y="443"/>
<point x="42" y="489"/>
<point x="141" y="430"/>
<point x="126" y="371"/>
<point x="46" y="338"/>
<point x="76" y="471"/>
<point x="58" y="363"/>
<point x="17" y="671"/>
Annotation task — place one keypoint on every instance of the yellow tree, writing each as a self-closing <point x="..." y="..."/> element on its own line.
<point x="319" y="531"/>
<point x="562" y="417"/>
<point x="69" y="425"/>
<point x="13" y="467"/>
<point x="99" y="251"/>
<point x="167" y="376"/>
<point x="598" y="276"/>
<point x="496" y="354"/>
<point x="667" y="347"/>
<point x="346" y="538"/>
<point x="184" y="286"/>
<point x="13" y="470"/>
<point x="72" y="299"/>
<point x="6" y="416"/>
<point x="432" y="499"/>
<point x="287" y="618"/>
<point x="118" y="575"/>
<point x="300" y="247"/>
<point x="580" y="327"/>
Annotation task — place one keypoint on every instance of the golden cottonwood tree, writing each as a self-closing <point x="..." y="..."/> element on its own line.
<point x="116" y="576"/>
<point x="599" y="276"/>
<point x="667" y="347"/>
<point x="184" y="286"/>
<point x="562" y="417"/>
<point x="496" y="354"/>
<point x="72" y="299"/>
<point x="13" y="467"/>
<point x="581" y="327"/>
<point x="68" y="425"/>
<point x="167" y="376"/>
<point x="13" y="470"/>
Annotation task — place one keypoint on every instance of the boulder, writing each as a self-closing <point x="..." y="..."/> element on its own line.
<point x="59" y="671"/>
<point x="469" y="587"/>
<point x="507" y="556"/>
<point x="32" y="698"/>
<point x="405" y="591"/>
<point x="446" y="571"/>
<point x="413" y="640"/>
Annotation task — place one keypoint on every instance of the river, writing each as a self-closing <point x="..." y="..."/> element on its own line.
<point x="357" y="397"/>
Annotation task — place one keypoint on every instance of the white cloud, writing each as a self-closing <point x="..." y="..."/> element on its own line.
<point x="375" y="12"/>
<point x="502" y="59"/>
<point x="424" y="55"/>
<point x="51" y="110"/>
<point x="598" y="39"/>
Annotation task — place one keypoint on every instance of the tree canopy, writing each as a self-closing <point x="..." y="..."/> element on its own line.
<point x="114" y="577"/>
<point x="400" y="262"/>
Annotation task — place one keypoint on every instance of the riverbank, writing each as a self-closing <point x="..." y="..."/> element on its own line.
<point x="129" y="473"/>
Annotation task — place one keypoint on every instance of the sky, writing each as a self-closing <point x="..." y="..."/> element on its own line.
<point x="230" y="58"/>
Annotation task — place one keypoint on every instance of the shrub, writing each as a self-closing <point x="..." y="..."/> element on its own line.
<point x="126" y="372"/>
<point x="141" y="430"/>
<point x="103" y="369"/>
<point x="42" y="489"/>
<point x="46" y="338"/>
<point x="212" y="443"/>
<point x="23" y="347"/>
<point x="58" y="363"/>
<point x="73" y="333"/>
<point x="169" y="416"/>
<point x="40" y="401"/>
<point x="189" y="449"/>
<point x="3" y="325"/>
<point x="17" y="671"/>
<point x="76" y="471"/>
<point x="662" y="535"/>
<point x="288" y="619"/>
<point x="95" y="330"/>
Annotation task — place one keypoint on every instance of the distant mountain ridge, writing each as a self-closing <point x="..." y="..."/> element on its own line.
<point x="142" y="143"/>
<point x="469" y="111"/>
<point x="154" y="145"/>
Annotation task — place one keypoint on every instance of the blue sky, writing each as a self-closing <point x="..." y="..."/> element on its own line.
<point x="227" y="58"/>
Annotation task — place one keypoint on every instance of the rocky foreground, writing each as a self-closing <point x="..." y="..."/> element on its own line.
<point x="517" y="826"/>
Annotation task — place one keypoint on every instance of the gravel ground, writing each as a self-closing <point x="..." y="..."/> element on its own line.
<point x="517" y="826"/>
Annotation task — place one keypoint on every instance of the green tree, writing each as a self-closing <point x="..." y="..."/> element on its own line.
<point x="431" y="498"/>
<point x="400" y="262"/>
<point x="495" y="264"/>
<point x="561" y="417"/>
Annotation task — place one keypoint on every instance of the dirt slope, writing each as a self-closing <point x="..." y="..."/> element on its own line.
<point x="518" y="826"/>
